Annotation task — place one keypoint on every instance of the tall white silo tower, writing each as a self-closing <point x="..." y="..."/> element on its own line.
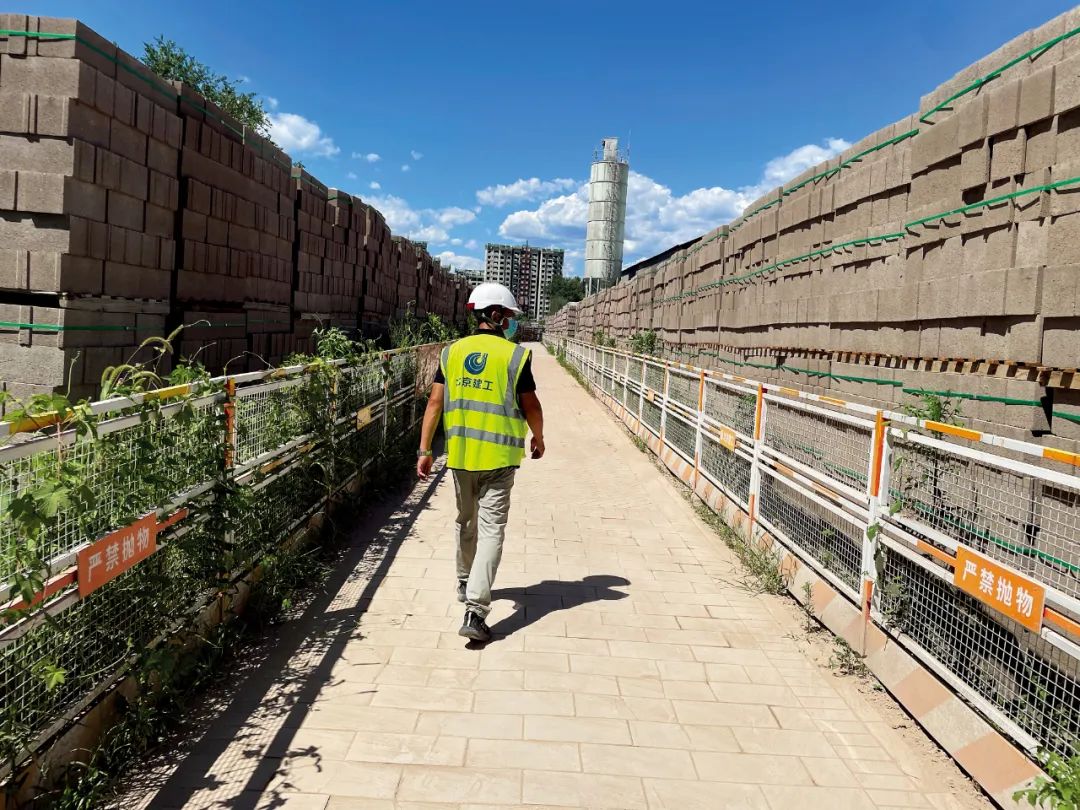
<point x="607" y="216"/>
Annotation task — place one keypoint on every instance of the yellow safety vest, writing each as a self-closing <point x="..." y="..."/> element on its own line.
<point x="485" y="430"/>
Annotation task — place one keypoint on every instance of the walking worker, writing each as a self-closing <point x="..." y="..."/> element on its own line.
<point x="485" y="392"/>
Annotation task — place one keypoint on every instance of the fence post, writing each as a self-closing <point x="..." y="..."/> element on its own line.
<point x="755" y="467"/>
<point x="230" y="423"/>
<point x="386" y="398"/>
<point x="663" y="408"/>
<point x="642" y="373"/>
<point x="871" y="543"/>
<point x="626" y="385"/>
<point x="699" y="428"/>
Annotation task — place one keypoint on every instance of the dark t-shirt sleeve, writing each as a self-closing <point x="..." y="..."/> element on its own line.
<point x="525" y="385"/>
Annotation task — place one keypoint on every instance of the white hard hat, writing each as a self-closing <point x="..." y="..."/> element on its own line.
<point x="490" y="294"/>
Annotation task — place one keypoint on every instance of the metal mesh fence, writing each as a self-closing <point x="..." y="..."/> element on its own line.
<point x="730" y="470"/>
<point x="1019" y="519"/>
<point x="93" y="637"/>
<point x="142" y="462"/>
<point x="274" y="414"/>
<point x="684" y="390"/>
<point x="360" y="386"/>
<point x="122" y="475"/>
<point x="650" y="415"/>
<point x="1033" y="683"/>
<point x="834" y="542"/>
<point x="993" y="500"/>
<point x="732" y="408"/>
<point x="681" y="436"/>
<point x="820" y="441"/>
<point x="654" y="378"/>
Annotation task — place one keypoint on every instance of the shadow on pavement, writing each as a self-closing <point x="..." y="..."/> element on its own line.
<point x="267" y="707"/>
<point x="537" y="601"/>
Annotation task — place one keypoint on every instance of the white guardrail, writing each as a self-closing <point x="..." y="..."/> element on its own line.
<point x="963" y="546"/>
<point x="172" y="495"/>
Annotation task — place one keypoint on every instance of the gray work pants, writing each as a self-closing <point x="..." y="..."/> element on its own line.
<point x="483" y="504"/>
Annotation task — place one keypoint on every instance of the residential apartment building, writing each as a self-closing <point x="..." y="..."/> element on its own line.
<point x="527" y="271"/>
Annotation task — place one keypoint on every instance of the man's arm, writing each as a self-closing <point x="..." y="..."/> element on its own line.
<point x="534" y="415"/>
<point x="427" y="431"/>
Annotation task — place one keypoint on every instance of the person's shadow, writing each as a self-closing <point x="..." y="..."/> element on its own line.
<point x="534" y="602"/>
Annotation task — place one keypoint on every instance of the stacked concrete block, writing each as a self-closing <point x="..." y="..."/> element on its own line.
<point x="88" y="192"/>
<point x="237" y="213"/>
<point x="325" y="282"/>
<point x="218" y="339"/>
<point x="380" y="302"/>
<point x="442" y="294"/>
<point x="409" y="257"/>
<point x="66" y="344"/>
<point x="942" y="236"/>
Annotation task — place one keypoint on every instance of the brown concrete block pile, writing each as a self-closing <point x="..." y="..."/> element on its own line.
<point x="380" y="290"/>
<point x="941" y="252"/>
<point x="237" y="226"/>
<point x="130" y="205"/>
<point x="88" y="194"/>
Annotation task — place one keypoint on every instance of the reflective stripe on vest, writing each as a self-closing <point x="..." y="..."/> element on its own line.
<point x="485" y="429"/>
<point x="485" y="436"/>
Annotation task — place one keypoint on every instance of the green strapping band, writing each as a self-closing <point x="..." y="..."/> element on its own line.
<point x="1038" y="50"/>
<point x="886" y="237"/>
<point x="994" y="201"/>
<point x="164" y="90"/>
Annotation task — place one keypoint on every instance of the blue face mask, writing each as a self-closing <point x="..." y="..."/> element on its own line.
<point x="511" y="328"/>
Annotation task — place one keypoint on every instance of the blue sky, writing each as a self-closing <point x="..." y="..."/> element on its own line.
<point x="475" y="121"/>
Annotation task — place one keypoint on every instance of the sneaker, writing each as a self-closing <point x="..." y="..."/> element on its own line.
<point x="461" y="589"/>
<point x="474" y="627"/>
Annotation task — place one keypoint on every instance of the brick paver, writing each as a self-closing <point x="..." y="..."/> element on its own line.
<point x="631" y="669"/>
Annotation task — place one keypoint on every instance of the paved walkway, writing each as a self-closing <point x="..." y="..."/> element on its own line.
<point x="635" y="671"/>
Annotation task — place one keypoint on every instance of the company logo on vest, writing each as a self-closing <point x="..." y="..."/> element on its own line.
<point x="475" y="362"/>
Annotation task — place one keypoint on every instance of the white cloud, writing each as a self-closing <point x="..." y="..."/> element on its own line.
<point x="455" y="242"/>
<point x="781" y="169"/>
<point x="374" y="185"/>
<point x="370" y="157"/>
<point x="459" y="262"/>
<point x="452" y="216"/>
<point x="431" y="233"/>
<point x="471" y="244"/>
<point x="352" y="175"/>
<point x="271" y="102"/>
<point x="401" y="218"/>
<point x="532" y="188"/>
<point x="416" y="155"/>
<point x="656" y="218"/>
<point x="424" y="224"/>
<point x="301" y="136"/>
<point x="405" y="167"/>
<point x="243" y="79"/>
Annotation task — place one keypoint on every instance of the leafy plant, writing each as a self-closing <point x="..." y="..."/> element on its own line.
<point x="563" y="290"/>
<point x="644" y="342"/>
<point x="808" y="608"/>
<point x="846" y="661"/>
<point x="95" y="480"/>
<point x="895" y="604"/>
<point x="170" y="61"/>
<point x="1060" y="788"/>
<point x="762" y="563"/>
<point x="411" y="330"/>
<point x="600" y="338"/>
